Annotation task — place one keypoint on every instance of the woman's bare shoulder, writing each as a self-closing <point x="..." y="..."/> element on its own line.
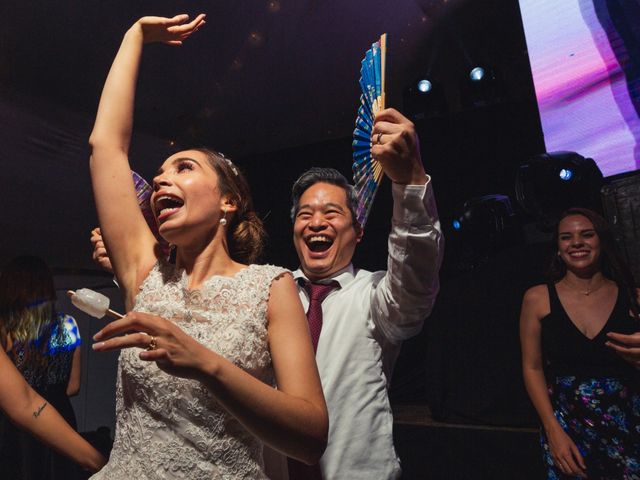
<point x="536" y="299"/>
<point x="536" y="292"/>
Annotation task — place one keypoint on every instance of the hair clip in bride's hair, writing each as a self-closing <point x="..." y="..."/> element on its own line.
<point x="231" y="165"/>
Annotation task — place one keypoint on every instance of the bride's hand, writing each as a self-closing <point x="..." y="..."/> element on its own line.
<point x="172" y="31"/>
<point x="163" y="342"/>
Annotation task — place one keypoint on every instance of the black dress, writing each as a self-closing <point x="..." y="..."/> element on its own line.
<point x="21" y="455"/>
<point x="595" y="394"/>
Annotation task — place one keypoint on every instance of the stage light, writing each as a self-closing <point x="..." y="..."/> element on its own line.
<point x="424" y="98"/>
<point x="477" y="74"/>
<point x="565" y="174"/>
<point x="481" y="87"/>
<point x="485" y="216"/>
<point x="550" y="183"/>
<point x="425" y="86"/>
<point x="482" y="227"/>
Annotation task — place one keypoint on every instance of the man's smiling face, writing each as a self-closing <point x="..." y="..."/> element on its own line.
<point x="323" y="231"/>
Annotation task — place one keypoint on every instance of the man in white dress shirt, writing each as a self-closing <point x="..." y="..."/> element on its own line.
<point x="365" y="320"/>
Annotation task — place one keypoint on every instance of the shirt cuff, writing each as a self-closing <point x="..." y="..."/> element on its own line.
<point x="413" y="204"/>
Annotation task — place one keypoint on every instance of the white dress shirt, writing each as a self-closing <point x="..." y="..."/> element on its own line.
<point x="364" y="324"/>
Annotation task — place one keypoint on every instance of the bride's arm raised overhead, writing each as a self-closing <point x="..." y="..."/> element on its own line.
<point x="292" y="418"/>
<point x="127" y="237"/>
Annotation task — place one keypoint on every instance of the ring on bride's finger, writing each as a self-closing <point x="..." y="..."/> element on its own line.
<point x="152" y="344"/>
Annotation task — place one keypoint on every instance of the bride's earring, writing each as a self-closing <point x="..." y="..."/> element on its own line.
<point x="223" y="220"/>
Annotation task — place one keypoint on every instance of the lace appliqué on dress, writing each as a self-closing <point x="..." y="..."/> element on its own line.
<point x="169" y="427"/>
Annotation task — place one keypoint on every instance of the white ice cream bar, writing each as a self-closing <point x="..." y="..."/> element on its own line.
<point x="92" y="303"/>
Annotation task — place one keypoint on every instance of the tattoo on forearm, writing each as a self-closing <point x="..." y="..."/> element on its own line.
<point x="37" y="413"/>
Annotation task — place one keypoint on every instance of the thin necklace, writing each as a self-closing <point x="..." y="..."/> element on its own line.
<point x="588" y="291"/>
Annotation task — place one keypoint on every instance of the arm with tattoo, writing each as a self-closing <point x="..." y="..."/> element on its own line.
<point x="28" y="411"/>
<point x="37" y="412"/>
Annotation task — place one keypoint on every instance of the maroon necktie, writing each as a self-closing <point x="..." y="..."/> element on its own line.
<point x="317" y="293"/>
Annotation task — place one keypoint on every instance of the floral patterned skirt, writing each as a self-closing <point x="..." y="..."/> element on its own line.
<point x="602" y="417"/>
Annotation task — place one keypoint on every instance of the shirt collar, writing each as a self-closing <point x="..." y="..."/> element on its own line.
<point x="343" y="277"/>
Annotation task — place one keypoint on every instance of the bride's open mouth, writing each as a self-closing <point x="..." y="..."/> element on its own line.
<point x="167" y="205"/>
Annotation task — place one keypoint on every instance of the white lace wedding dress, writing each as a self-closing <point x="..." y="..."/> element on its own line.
<point x="172" y="428"/>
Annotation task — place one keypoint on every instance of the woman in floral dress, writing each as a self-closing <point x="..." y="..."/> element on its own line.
<point x="586" y="395"/>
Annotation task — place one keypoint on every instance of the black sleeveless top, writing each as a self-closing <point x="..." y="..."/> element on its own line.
<point x="566" y="351"/>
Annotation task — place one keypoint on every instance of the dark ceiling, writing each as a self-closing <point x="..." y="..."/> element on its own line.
<point x="261" y="75"/>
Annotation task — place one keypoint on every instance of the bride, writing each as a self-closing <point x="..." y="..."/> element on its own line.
<point x="206" y="340"/>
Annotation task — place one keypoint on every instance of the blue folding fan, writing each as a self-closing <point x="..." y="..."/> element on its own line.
<point x="367" y="172"/>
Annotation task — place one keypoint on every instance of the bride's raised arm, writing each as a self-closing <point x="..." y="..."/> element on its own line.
<point x="126" y="234"/>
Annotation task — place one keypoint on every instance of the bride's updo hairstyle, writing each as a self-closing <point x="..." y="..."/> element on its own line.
<point x="245" y="232"/>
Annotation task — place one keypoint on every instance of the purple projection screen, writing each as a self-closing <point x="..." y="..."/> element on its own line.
<point x="585" y="61"/>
